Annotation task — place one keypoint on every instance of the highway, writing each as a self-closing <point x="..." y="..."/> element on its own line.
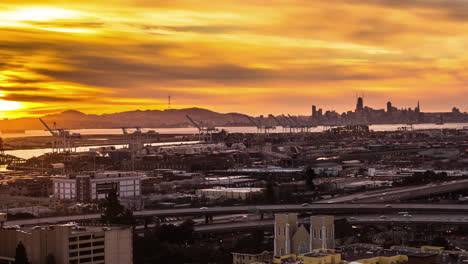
<point x="459" y="219"/>
<point x="332" y="209"/>
<point x="400" y="193"/>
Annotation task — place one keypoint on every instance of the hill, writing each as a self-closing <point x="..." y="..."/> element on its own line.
<point x="72" y="119"/>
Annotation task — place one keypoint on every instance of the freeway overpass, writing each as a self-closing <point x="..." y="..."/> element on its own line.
<point x="331" y="209"/>
<point x="424" y="219"/>
<point x="401" y="193"/>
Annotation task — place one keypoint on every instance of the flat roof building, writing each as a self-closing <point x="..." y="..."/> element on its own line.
<point x="94" y="187"/>
<point x="70" y="243"/>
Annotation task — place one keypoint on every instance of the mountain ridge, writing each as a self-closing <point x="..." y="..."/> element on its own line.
<point x="74" y="119"/>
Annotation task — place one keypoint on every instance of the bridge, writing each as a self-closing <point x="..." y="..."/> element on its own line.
<point x="401" y="193"/>
<point x="424" y="219"/>
<point x="331" y="209"/>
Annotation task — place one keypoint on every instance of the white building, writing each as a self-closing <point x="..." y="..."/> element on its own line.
<point x="96" y="186"/>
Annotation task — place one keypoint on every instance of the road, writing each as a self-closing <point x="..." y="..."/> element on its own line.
<point x="401" y="193"/>
<point x="332" y="209"/>
<point x="459" y="219"/>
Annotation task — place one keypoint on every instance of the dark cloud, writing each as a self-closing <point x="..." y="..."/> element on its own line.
<point x="18" y="88"/>
<point x="450" y="9"/>
<point x="124" y="73"/>
<point x="38" y="98"/>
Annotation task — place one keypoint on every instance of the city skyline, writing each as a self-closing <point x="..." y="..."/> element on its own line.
<point x="254" y="58"/>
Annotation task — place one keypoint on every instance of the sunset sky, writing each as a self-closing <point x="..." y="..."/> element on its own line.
<point x="255" y="56"/>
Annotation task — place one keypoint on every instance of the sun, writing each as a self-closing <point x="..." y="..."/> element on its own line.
<point x="39" y="14"/>
<point x="9" y="106"/>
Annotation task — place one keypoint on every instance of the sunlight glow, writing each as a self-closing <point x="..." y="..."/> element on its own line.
<point x="39" y="14"/>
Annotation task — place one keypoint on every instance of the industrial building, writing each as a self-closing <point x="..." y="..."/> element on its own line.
<point x="234" y="193"/>
<point x="95" y="186"/>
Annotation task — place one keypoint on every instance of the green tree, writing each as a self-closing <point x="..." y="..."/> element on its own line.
<point x="21" y="256"/>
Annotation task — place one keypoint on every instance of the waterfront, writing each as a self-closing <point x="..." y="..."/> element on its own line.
<point x="249" y="129"/>
<point x="29" y="153"/>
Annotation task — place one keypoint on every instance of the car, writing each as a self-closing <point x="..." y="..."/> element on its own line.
<point x="305" y="204"/>
<point x="383" y="216"/>
<point x="388" y="206"/>
<point x="203" y="208"/>
<point x="352" y="218"/>
<point x="407" y="215"/>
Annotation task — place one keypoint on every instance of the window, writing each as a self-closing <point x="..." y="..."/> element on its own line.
<point x="99" y="250"/>
<point x="85" y="245"/>
<point x="85" y="237"/>
<point x="98" y="243"/>
<point x="72" y="246"/>
<point x="86" y="252"/>
<point x="98" y="258"/>
<point x="85" y="260"/>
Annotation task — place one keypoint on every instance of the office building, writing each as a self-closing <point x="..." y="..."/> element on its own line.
<point x="70" y="243"/>
<point x="95" y="186"/>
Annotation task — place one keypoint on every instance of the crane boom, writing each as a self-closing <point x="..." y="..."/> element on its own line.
<point x="288" y="120"/>
<point x="48" y="128"/>
<point x="293" y="118"/>
<point x="193" y="122"/>
<point x="253" y="122"/>
<point x="277" y="120"/>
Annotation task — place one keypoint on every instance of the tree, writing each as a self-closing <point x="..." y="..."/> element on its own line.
<point x="309" y="176"/>
<point x="269" y="193"/>
<point x="50" y="259"/>
<point x="21" y="256"/>
<point x="114" y="212"/>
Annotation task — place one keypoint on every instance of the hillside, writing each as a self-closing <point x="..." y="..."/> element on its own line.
<point x="72" y="119"/>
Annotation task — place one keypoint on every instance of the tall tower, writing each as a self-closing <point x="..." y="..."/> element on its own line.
<point x="285" y="227"/>
<point x="389" y="107"/>
<point x="418" y="109"/>
<point x="360" y="104"/>
<point x="322" y="232"/>
<point x="314" y="111"/>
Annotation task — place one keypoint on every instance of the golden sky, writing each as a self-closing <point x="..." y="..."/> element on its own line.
<point x="255" y="57"/>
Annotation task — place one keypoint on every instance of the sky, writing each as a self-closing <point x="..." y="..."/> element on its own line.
<point x="254" y="57"/>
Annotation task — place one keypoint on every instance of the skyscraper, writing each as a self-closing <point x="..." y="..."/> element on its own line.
<point x="360" y="104"/>
<point x="389" y="107"/>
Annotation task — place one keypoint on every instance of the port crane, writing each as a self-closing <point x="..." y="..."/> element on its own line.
<point x="61" y="143"/>
<point x="202" y="129"/>
<point x="260" y="128"/>
<point x="285" y="126"/>
<point x="293" y="126"/>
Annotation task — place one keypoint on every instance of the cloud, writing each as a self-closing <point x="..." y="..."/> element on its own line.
<point x="18" y="88"/>
<point x="38" y="98"/>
